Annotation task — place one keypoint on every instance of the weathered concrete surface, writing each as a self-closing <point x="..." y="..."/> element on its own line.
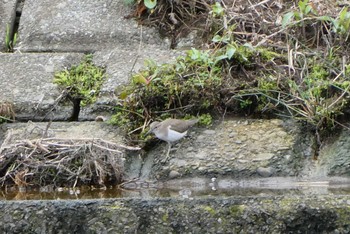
<point x="10" y="133"/>
<point x="26" y="80"/>
<point x="240" y="148"/>
<point x="80" y="26"/>
<point x="7" y="17"/>
<point x="334" y="158"/>
<point x="297" y="214"/>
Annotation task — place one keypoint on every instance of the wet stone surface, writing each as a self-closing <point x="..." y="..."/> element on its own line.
<point x="334" y="158"/>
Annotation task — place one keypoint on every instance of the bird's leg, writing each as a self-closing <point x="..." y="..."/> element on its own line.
<point x="178" y="146"/>
<point x="168" y="152"/>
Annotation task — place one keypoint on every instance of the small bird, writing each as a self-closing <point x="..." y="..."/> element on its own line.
<point x="171" y="130"/>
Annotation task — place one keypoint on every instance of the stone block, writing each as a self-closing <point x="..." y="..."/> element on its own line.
<point x="26" y="80"/>
<point x="10" y="133"/>
<point x="204" y="153"/>
<point x="7" y="18"/>
<point x="79" y="26"/>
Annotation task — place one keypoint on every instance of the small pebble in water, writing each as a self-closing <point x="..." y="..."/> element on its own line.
<point x="213" y="184"/>
<point x="185" y="193"/>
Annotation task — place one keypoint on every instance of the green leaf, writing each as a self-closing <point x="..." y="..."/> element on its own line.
<point x="249" y="46"/>
<point x="217" y="38"/>
<point x="230" y="51"/>
<point x="139" y="79"/>
<point x="307" y="9"/>
<point x="218" y="10"/>
<point x="150" y="4"/>
<point x="343" y="14"/>
<point x="287" y="19"/>
<point x="221" y="57"/>
<point x="194" y="54"/>
<point x="302" y="5"/>
<point x="123" y="95"/>
<point x="325" y="18"/>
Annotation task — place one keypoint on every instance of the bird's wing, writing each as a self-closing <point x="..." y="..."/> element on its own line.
<point x="180" y="125"/>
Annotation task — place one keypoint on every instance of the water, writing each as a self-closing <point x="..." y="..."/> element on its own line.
<point x="192" y="188"/>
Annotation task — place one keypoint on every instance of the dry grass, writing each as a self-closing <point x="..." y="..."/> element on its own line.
<point x="62" y="162"/>
<point x="7" y="112"/>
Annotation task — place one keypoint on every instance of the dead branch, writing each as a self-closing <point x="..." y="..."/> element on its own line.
<point x="62" y="162"/>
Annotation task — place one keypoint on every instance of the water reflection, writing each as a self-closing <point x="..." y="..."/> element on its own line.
<point x="78" y="193"/>
<point x="189" y="189"/>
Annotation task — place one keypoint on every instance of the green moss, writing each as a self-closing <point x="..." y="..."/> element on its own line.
<point x="237" y="209"/>
<point x="267" y="54"/>
<point x="287" y="203"/>
<point x="165" y="217"/>
<point x="209" y="209"/>
<point x="119" y="119"/>
<point x="205" y="119"/>
<point x="244" y="55"/>
<point x="115" y="206"/>
<point x="83" y="81"/>
<point x="318" y="72"/>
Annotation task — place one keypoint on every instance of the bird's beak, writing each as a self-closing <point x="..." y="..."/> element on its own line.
<point x="149" y="131"/>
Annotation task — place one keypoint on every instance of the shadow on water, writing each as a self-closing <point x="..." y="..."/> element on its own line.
<point x="194" y="188"/>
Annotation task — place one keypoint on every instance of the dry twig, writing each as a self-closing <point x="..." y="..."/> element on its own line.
<point x="62" y="162"/>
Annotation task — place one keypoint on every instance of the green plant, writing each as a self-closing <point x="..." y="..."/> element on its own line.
<point x="341" y="24"/>
<point x="150" y="4"/>
<point x="202" y="81"/>
<point x="190" y="85"/>
<point x="315" y="99"/>
<point x="83" y="81"/>
<point x="193" y="85"/>
<point x="303" y="74"/>
<point x="244" y="103"/>
<point x="205" y="119"/>
<point x="10" y="41"/>
<point x="305" y="9"/>
<point x="217" y="10"/>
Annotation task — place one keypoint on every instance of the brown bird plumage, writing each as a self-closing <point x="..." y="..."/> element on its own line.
<point x="171" y="130"/>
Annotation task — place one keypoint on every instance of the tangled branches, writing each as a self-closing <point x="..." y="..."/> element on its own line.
<point x="62" y="162"/>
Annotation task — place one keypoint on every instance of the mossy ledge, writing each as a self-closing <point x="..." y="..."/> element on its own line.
<point x="210" y="215"/>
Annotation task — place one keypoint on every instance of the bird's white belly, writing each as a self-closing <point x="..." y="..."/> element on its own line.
<point x="171" y="136"/>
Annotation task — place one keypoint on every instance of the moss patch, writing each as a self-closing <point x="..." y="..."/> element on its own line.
<point x="83" y="82"/>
